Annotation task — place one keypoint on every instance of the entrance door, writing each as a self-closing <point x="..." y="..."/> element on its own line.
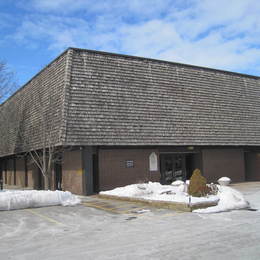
<point x="172" y="168"/>
<point x="58" y="176"/>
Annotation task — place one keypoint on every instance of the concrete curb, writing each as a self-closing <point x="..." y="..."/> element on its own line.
<point x="178" y="206"/>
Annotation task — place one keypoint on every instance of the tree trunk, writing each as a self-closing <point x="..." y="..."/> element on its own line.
<point x="47" y="182"/>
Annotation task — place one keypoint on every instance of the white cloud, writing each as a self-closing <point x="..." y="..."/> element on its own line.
<point x="143" y="8"/>
<point x="149" y="38"/>
<point x="56" y="32"/>
<point x="221" y="34"/>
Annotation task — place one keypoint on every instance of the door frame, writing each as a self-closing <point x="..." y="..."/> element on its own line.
<point x="172" y="156"/>
<point x="58" y="176"/>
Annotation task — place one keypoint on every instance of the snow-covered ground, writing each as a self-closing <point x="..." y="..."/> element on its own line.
<point x="227" y="197"/>
<point x="156" y="191"/>
<point x="251" y="190"/>
<point x="21" y="199"/>
<point x="64" y="233"/>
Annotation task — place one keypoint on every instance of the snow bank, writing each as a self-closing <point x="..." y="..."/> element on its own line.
<point x="19" y="199"/>
<point x="229" y="199"/>
<point x="156" y="191"/>
<point x="177" y="183"/>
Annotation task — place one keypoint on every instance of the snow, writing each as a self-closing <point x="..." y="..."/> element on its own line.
<point x="254" y="200"/>
<point x="21" y="199"/>
<point x="156" y="191"/>
<point x="224" y="179"/>
<point x="177" y="183"/>
<point x="229" y="199"/>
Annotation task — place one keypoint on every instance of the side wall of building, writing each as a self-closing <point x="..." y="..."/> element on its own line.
<point x="72" y="173"/>
<point x="20" y="172"/>
<point x="223" y="162"/>
<point x="123" y="166"/>
<point x="23" y="173"/>
<point x="252" y="161"/>
<point x="10" y="173"/>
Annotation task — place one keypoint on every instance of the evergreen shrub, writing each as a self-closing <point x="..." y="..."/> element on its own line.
<point x="198" y="185"/>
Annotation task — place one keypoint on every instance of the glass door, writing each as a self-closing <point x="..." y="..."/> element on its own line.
<point x="172" y="167"/>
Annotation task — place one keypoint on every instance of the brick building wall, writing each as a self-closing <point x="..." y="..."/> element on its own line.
<point x="223" y="162"/>
<point x="113" y="170"/>
<point x="72" y="173"/>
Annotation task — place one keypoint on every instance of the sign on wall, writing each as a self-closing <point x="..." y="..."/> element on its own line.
<point x="129" y="164"/>
<point x="153" y="162"/>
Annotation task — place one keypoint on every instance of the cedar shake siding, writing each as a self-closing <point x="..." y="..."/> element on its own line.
<point x="110" y="110"/>
<point x="122" y="100"/>
<point x="22" y="114"/>
<point x="96" y="98"/>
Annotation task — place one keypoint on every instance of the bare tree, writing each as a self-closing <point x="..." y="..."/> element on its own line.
<point x="7" y="82"/>
<point x="30" y="124"/>
<point x="48" y="154"/>
<point x="7" y="87"/>
<point x="45" y="159"/>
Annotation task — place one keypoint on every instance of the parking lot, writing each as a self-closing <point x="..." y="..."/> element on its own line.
<point x="103" y="229"/>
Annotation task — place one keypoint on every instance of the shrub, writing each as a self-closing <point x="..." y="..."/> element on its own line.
<point x="198" y="185"/>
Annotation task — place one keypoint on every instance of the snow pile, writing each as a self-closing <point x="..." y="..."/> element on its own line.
<point x="21" y="199"/>
<point x="224" y="179"/>
<point x="177" y="183"/>
<point x="156" y="191"/>
<point x="229" y="199"/>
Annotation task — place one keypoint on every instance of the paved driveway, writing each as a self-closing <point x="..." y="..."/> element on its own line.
<point x="88" y="232"/>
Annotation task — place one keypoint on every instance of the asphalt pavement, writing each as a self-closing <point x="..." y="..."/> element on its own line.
<point x="116" y="230"/>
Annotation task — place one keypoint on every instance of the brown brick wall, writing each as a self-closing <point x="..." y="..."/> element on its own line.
<point x="10" y="172"/>
<point x="32" y="175"/>
<point x="223" y="162"/>
<point x="252" y="161"/>
<point x="20" y="172"/>
<point x="72" y="172"/>
<point x="113" y="172"/>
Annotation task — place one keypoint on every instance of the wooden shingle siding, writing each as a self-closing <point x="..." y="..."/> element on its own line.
<point x="21" y="115"/>
<point x="122" y="100"/>
<point x="95" y="98"/>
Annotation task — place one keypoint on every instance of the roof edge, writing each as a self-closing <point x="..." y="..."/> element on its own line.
<point x="165" y="61"/>
<point x="39" y="72"/>
<point x="66" y="95"/>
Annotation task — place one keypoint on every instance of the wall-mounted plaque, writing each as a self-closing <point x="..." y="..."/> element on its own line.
<point x="129" y="164"/>
<point x="153" y="162"/>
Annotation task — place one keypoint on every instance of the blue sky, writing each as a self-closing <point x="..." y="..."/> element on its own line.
<point x="219" y="34"/>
